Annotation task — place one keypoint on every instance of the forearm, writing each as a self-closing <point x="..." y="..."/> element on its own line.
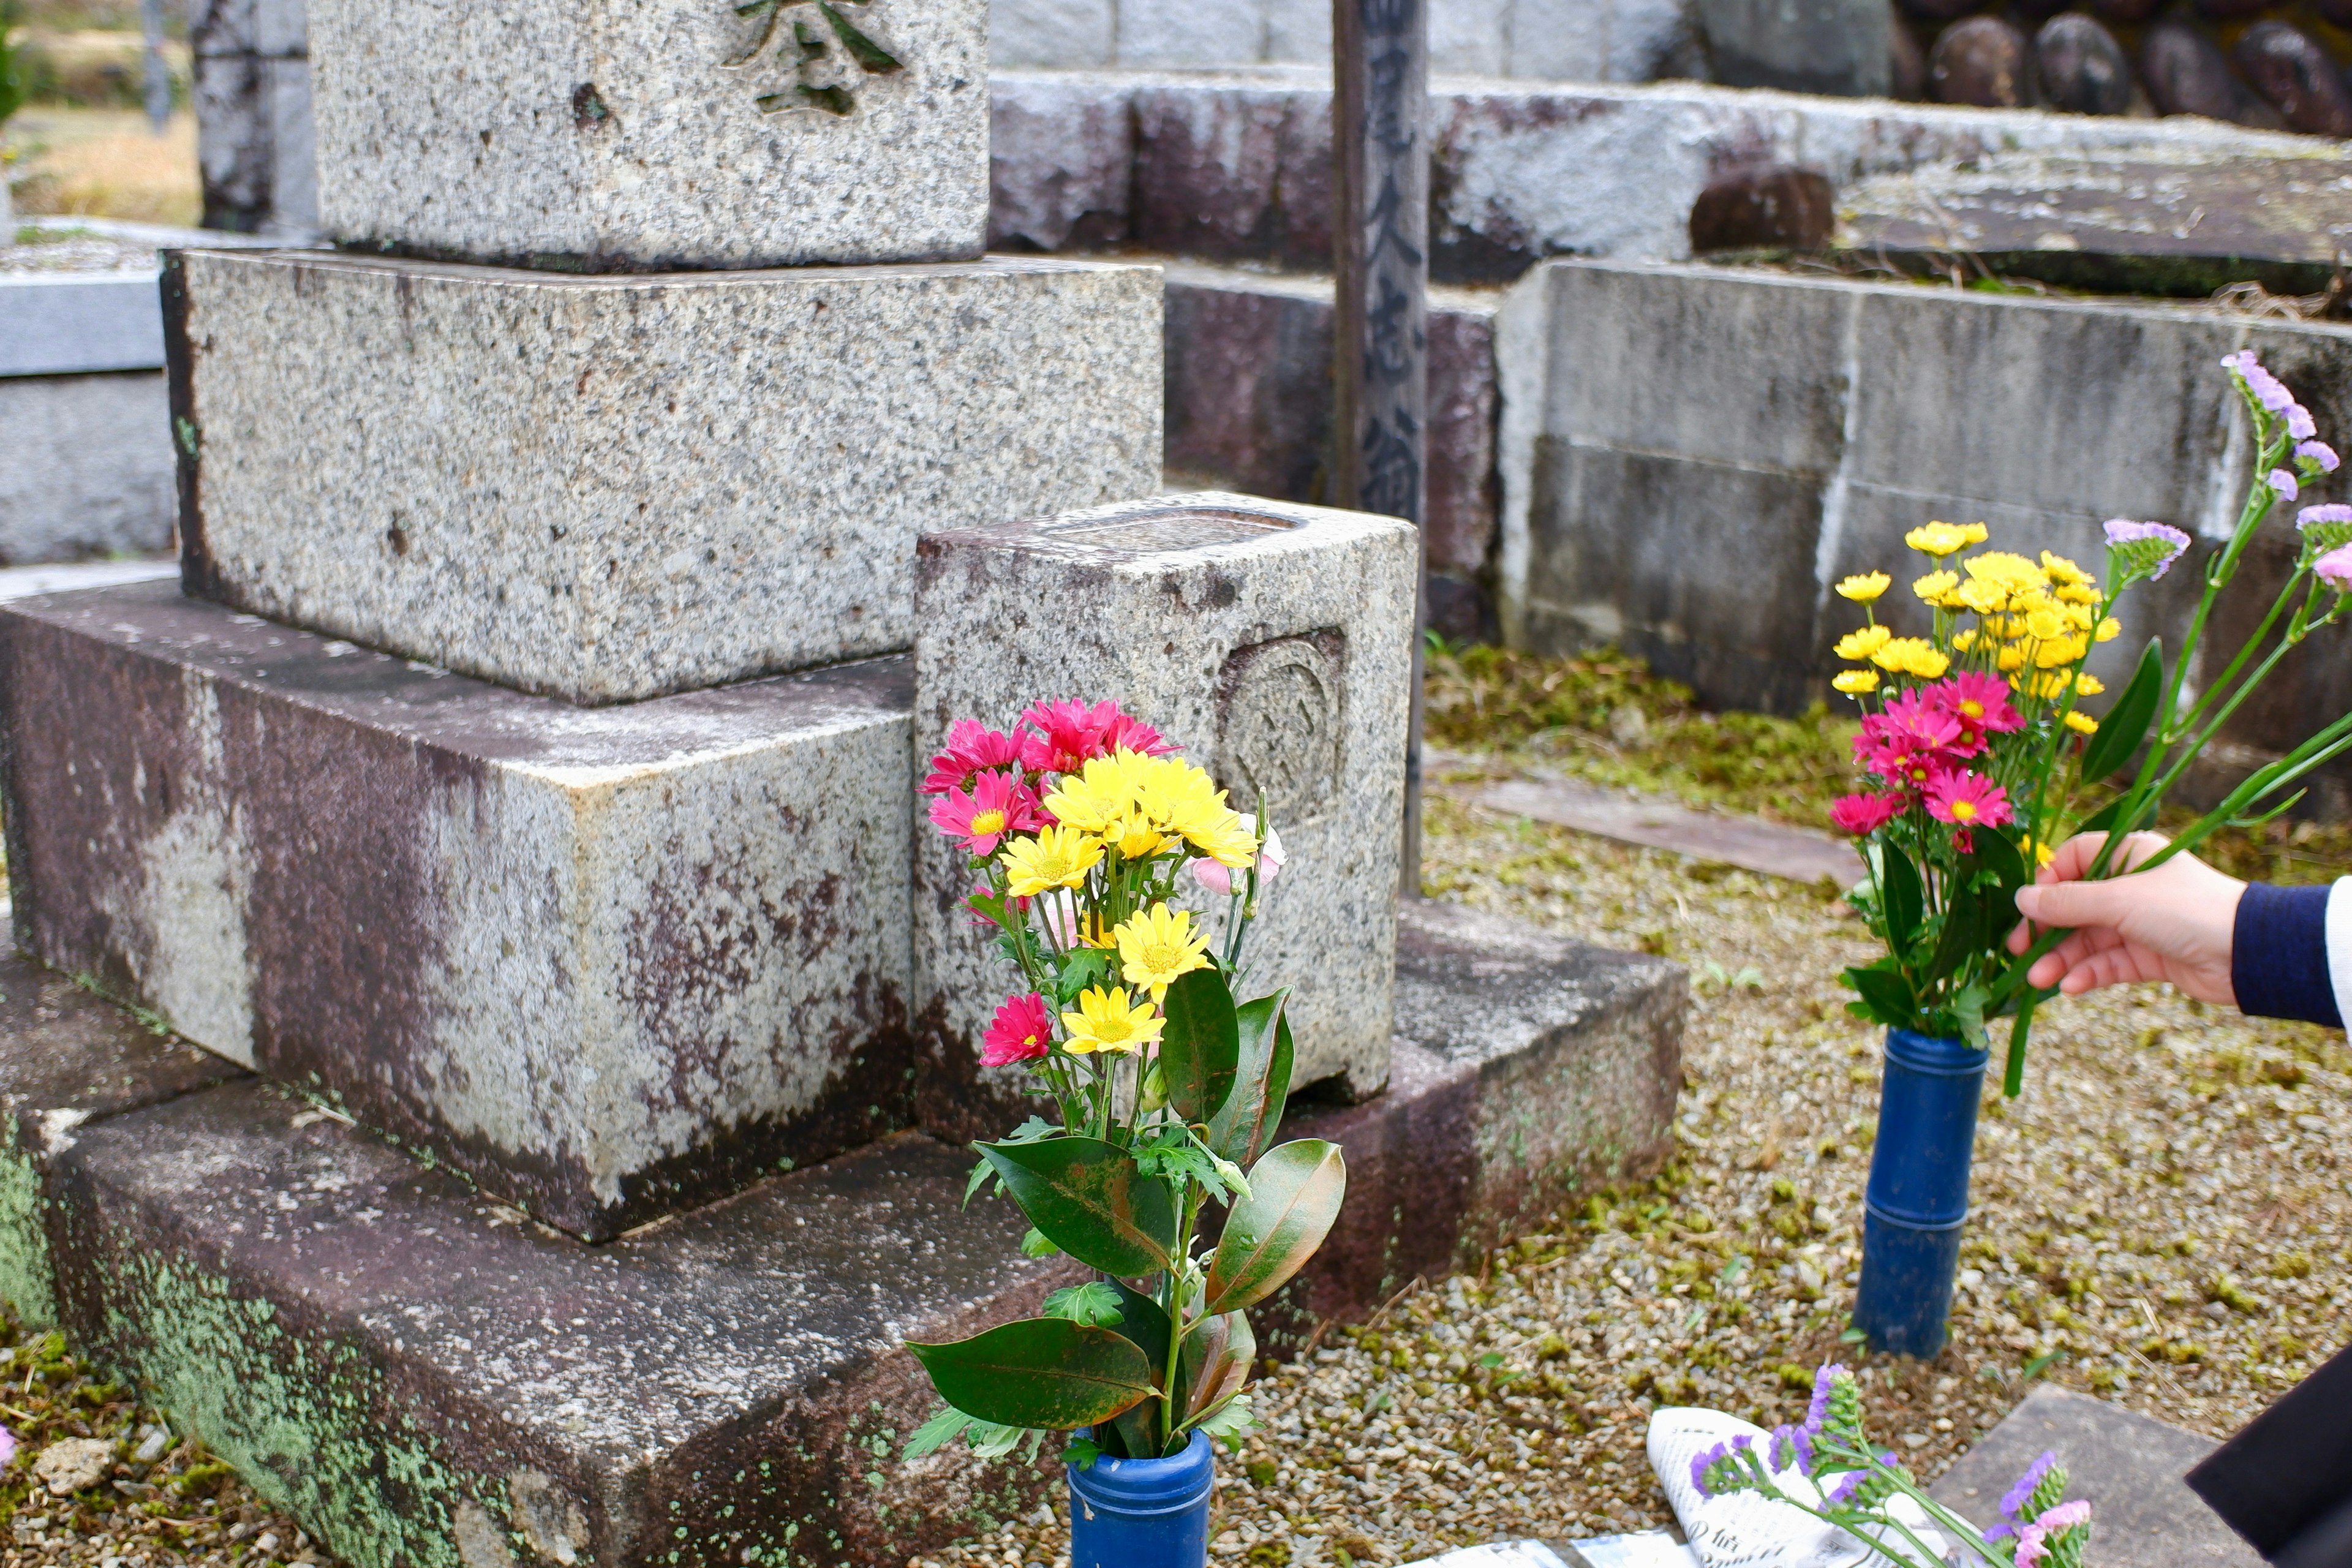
<point x="2291" y="954"/>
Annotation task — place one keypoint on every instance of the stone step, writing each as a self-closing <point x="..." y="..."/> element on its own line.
<point x="428" y="1379"/>
<point x="609" y="963"/>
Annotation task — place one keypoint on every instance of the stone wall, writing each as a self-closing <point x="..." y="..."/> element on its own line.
<point x="253" y="115"/>
<point x="1691" y="457"/>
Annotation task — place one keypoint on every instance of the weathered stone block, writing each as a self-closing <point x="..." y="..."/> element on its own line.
<point x="1061" y="155"/>
<point x="86" y="467"/>
<point x="609" y="489"/>
<point x="1273" y="642"/>
<point x="67" y="1058"/>
<point x="426" y="1382"/>
<point x="1835" y="47"/>
<point x="606" y="963"/>
<point x="669" y="133"/>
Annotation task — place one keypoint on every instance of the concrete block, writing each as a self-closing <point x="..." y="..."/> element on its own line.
<point x="607" y="963"/>
<point x="86" y="468"/>
<point x="1062" y="164"/>
<point x="1273" y="642"/>
<point x="1467" y="38"/>
<point x="233" y="152"/>
<point x="1194" y="34"/>
<point x="2129" y="1467"/>
<point x="1559" y="40"/>
<point x="1298" y="32"/>
<point x="281" y="29"/>
<point x="66" y="1059"/>
<point x="222" y="27"/>
<point x="703" y="477"/>
<point x="426" y="1383"/>
<point x="68" y="323"/>
<point x="293" y="149"/>
<point x="1064" y="35"/>
<point x="1835" y="46"/>
<point x="619" y="135"/>
<point x="1238" y="170"/>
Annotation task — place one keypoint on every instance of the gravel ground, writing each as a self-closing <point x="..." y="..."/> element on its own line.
<point x="2159" y="1220"/>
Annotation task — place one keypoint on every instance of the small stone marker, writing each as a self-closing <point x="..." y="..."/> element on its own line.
<point x="1768" y="206"/>
<point x="2126" y="1465"/>
<point x="654" y="132"/>
<point x="609" y="489"/>
<point x="1761" y="847"/>
<point x="1273" y="642"/>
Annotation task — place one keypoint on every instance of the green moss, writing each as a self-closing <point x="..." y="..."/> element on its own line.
<point x="27" y="1279"/>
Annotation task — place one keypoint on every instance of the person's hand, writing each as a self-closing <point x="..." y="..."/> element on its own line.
<point x="2176" y="923"/>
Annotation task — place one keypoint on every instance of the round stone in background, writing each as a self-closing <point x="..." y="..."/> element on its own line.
<point x="1907" y="67"/>
<point x="2230" y="10"/>
<point x="2080" y="67"/>
<point x="2287" y="67"/>
<point x="1983" y="61"/>
<point x="1939" y="10"/>
<point x="2124" y="13"/>
<point x="2186" y="73"/>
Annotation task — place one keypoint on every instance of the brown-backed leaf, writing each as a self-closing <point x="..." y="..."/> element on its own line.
<point x="1089" y="1198"/>
<point x="1215" y="1362"/>
<point x="1295" y="1195"/>
<point x="1046" y="1373"/>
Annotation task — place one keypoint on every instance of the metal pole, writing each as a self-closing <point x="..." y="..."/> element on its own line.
<point x="1380" y="109"/>
<point x="157" y="81"/>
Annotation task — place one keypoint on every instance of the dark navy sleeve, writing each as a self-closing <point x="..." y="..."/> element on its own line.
<point x="2278" y="961"/>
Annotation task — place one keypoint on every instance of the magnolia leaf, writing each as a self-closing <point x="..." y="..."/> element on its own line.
<point x="1886" y="996"/>
<point x="2126" y="723"/>
<point x="1088" y="1198"/>
<point x="1295" y="1195"/>
<point x="1043" y="1373"/>
<point x="1905" y="899"/>
<point x="1215" y="1363"/>
<point x="1241" y="1130"/>
<point x="1200" y="1050"/>
<point x="1145" y="1321"/>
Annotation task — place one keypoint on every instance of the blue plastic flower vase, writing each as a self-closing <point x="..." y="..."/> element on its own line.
<point x="1143" y="1513"/>
<point x="1918" y="1199"/>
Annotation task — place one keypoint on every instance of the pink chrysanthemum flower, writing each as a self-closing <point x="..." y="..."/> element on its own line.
<point x="1864" y="815"/>
<point x="1022" y="1031"/>
<point x="1075" y="735"/>
<point x="1968" y="800"/>
<point x="974" y="748"/>
<point x="1910" y="742"/>
<point x="1980" y="704"/>
<point x="980" y="817"/>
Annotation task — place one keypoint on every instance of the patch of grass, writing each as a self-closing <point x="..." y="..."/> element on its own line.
<point x="105" y="163"/>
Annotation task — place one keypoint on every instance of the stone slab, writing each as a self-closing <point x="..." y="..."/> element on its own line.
<point x="25" y="582"/>
<point x="612" y="134"/>
<point x="606" y="963"/>
<point x="613" y="487"/>
<point x="1273" y="642"/>
<point x="65" y="325"/>
<point x="68" y="1058"/>
<point x="86" y="467"/>
<point x="2185" y="226"/>
<point x="1761" y="846"/>
<point x="428" y="1380"/>
<point x="2128" y="1466"/>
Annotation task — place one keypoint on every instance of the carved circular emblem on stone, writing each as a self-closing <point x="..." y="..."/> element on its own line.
<point x="1279" y="726"/>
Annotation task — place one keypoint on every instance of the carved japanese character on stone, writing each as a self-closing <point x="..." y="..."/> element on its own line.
<point x="808" y="54"/>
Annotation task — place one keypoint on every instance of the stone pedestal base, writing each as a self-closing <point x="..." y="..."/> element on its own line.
<point x="427" y="1379"/>
<point x="608" y="962"/>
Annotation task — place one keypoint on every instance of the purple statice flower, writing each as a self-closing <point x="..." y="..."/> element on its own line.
<point x="1817" y="1414"/>
<point x="2266" y="388"/>
<point x="2150" y="547"/>
<point x="2299" y="423"/>
<point x="1792" y="1444"/>
<point x="7" y="1447"/>
<point x="2334" y="568"/>
<point x="2013" y="1501"/>
<point x="2283" y="483"/>
<point x="2320" y="454"/>
<point x="2000" y="1531"/>
<point x="1846" y="1486"/>
<point x="1705" y="1461"/>
<point x="2325" y="528"/>
<point x="2065" y="1516"/>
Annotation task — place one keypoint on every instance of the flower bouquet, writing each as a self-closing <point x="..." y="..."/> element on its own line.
<point x="1981" y="758"/>
<point x="1827" y="1467"/>
<point x="1159" y="1097"/>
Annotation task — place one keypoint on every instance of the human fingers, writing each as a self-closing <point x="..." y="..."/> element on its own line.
<point x="2067" y="955"/>
<point x="2073" y="858"/>
<point x="2119" y="966"/>
<point x="2078" y="904"/>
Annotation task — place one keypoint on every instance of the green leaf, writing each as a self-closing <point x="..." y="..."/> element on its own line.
<point x="1144" y="1322"/>
<point x="1963" y="934"/>
<point x="1095" y="1303"/>
<point x="2041" y="1364"/>
<point x="1215" y="1363"/>
<point x="1241" y="1130"/>
<point x="1088" y="1198"/>
<point x="1044" y="1373"/>
<point x="1998" y="854"/>
<point x="1904" y="900"/>
<point x="1885" y="996"/>
<point x="936" y="1433"/>
<point x="1036" y="1244"/>
<point x="1200" y="1050"/>
<point x="1968" y="1007"/>
<point x="1231" y="1423"/>
<point x="1086" y="967"/>
<point x="1295" y="1195"/>
<point x="1081" y="1452"/>
<point x="862" y="50"/>
<point x="2128" y="718"/>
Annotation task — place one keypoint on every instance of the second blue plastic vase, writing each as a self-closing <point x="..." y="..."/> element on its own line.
<point x="1143" y="1513"/>
<point x="1918" y="1199"/>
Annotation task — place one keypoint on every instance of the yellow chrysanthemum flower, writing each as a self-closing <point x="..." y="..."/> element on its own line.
<point x="2075" y="593"/>
<point x="1230" y="840"/>
<point x="1108" y="1021"/>
<point x="2042" y="854"/>
<point x="1984" y="598"/>
<point x="1158" y="945"/>
<point x="2010" y="659"/>
<point x="1856" y="682"/>
<point x="1964" y="642"/>
<point x="1936" y="586"/>
<point x="1863" y="642"/>
<point x="1057" y="858"/>
<point x="1975" y="532"/>
<point x="1912" y="655"/>
<point x="2081" y="723"/>
<point x="2088" y="685"/>
<point x="2109" y="629"/>
<point x="2045" y="625"/>
<point x="1938" y="539"/>
<point x="2061" y="655"/>
<point x="1095" y="798"/>
<point x="1866" y="589"/>
<point x="1134" y="838"/>
<point x="2041" y="685"/>
<point x="2060" y="570"/>
<point x="2012" y="572"/>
